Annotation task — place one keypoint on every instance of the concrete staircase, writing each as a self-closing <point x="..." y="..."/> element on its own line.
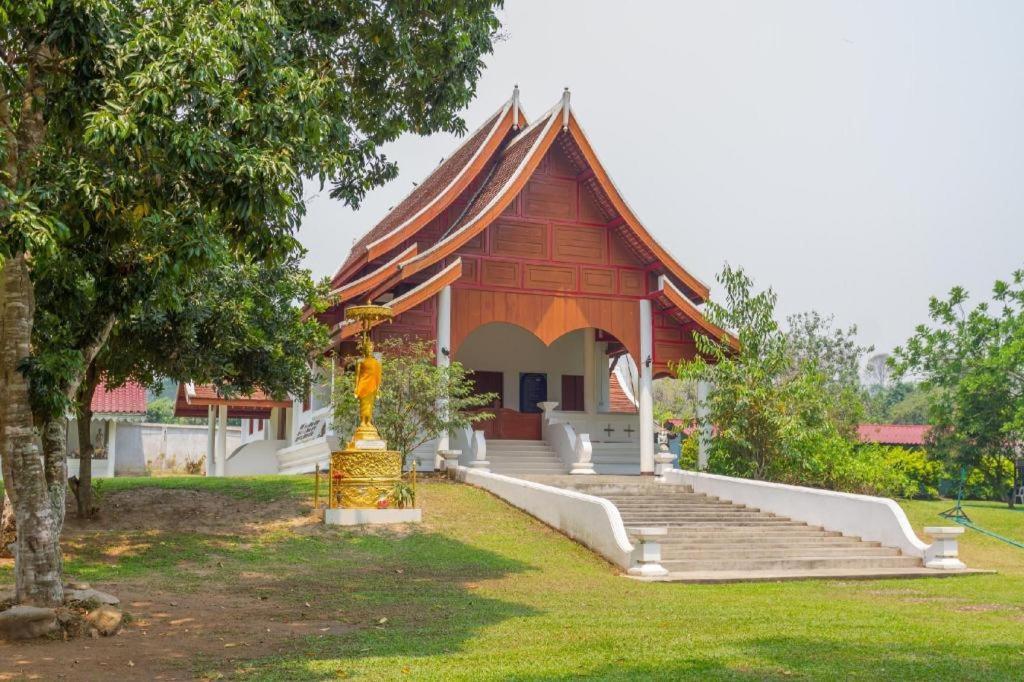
<point x="523" y="458"/>
<point x="709" y="537"/>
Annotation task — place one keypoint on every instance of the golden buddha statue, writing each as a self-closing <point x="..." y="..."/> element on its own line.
<point x="368" y="374"/>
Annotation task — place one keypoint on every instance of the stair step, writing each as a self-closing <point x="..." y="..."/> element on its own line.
<point x="804" y="562"/>
<point x="769" y="541"/>
<point x="775" y="552"/>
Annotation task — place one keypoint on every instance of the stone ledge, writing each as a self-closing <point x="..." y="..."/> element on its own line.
<point x="361" y="517"/>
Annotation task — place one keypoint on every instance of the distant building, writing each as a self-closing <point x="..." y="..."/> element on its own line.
<point x="908" y="435"/>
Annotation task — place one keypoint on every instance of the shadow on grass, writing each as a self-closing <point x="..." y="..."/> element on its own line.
<point x="789" y="657"/>
<point x="406" y="595"/>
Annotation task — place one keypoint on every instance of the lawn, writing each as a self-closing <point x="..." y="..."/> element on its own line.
<point x="482" y="591"/>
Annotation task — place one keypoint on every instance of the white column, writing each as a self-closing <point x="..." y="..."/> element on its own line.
<point x="211" y="431"/>
<point x="645" y="398"/>
<point x="589" y="370"/>
<point x="111" y="447"/>
<point x="444" y="349"/>
<point x="704" y="437"/>
<point x="222" y="439"/>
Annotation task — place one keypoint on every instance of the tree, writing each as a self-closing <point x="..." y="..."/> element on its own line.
<point x="133" y="132"/>
<point x="413" y="385"/>
<point x="240" y="327"/>
<point x="772" y="405"/>
<point x="878" y="371"/>
<point x="815" y="344"/>
<point x="160" y="410"/>
<point x="971" y="362"/>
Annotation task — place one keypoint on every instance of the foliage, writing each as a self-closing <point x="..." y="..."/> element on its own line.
<point x="240" y="327"/>
<point x="195" y="467"/>
<point x="972" y="363"/>
<point x="413" y="386"/>
<point x="402" y="495"/>
<point x="142" y="139"/>
<point x="814" y="344"/>
<point x="674" y="399"/>
<point x="777" y="405"/>
<point x="160" y="410"/>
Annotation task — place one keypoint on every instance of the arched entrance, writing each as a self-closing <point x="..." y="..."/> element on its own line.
<point x="574" y="371"/>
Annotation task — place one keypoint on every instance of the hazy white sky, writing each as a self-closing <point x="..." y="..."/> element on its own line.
<point x="858" y="157"/>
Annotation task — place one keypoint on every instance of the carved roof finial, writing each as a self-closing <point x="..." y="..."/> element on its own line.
<point x="565" y="109"/>
<point x="515" y="107"/>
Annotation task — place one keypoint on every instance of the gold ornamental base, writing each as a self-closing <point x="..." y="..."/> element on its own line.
<point x="361" y="477"/>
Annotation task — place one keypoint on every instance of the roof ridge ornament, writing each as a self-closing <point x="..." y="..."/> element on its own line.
<point x="565" y="109"/>
<point x="515" y="107"/>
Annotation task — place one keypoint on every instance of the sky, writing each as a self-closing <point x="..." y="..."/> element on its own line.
<point x="857" y="157"/>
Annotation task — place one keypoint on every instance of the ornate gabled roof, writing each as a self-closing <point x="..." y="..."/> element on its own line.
<point x="507" y="171"/>
<point x="437" y="191"/>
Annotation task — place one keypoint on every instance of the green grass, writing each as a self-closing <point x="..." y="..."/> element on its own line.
<point x="483" y="591"/>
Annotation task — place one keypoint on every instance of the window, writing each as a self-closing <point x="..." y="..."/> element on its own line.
<point x="261" y="425"/>
<point x="250" y="427"/>
<point x="572" y="393"/>
<point x="490" y="382"/>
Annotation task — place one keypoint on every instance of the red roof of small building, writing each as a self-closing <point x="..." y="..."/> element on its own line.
<point x="893" y="434"/>
<point x="127" y="399"/>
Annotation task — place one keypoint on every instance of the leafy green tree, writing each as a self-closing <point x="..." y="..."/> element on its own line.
<point x="782" y="406"/>
<point x="413" y="385"/>
<point x="160" y="410"/>
<point x="239" y="327"/>
<point x="814" y="344"/>
<point x="140" y="135"/>
<point x="972" y="363"/>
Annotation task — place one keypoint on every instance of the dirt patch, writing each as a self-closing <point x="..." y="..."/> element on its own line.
<point x="984" y="608"/>
<point x="196" y="511"/>
<point x="168" y="631"/>
<point x="214" y="625"/>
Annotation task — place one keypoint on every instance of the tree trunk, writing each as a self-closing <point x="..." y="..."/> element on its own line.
<point x="37" y="566"/>
<point x="55" y="458"/>
<point x="85" y="446"/>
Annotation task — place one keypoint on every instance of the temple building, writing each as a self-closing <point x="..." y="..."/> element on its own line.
<point x="518" y="257"/>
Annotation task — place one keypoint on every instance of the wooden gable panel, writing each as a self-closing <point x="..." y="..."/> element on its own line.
<point x="631" y="283"/>
<point x="620" y="253"/>
<point x="597" y="281"/>
<point x="547" y="197"/>
<point x="477" y="244"/>
<point x="515" y="239"/>
<point x="580" y="244"/>
<point x="590" y="212"/>
<point x="557" y="163"/>
<point x="470" y="270"/>
<point x="499" y="273"/>
<point x="552" y="277"/>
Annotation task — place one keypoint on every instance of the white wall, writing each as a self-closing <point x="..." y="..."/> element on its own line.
<point x="507" y="348"/>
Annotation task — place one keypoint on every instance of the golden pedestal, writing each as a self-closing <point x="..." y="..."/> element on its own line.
<point x="360" y="477"/>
